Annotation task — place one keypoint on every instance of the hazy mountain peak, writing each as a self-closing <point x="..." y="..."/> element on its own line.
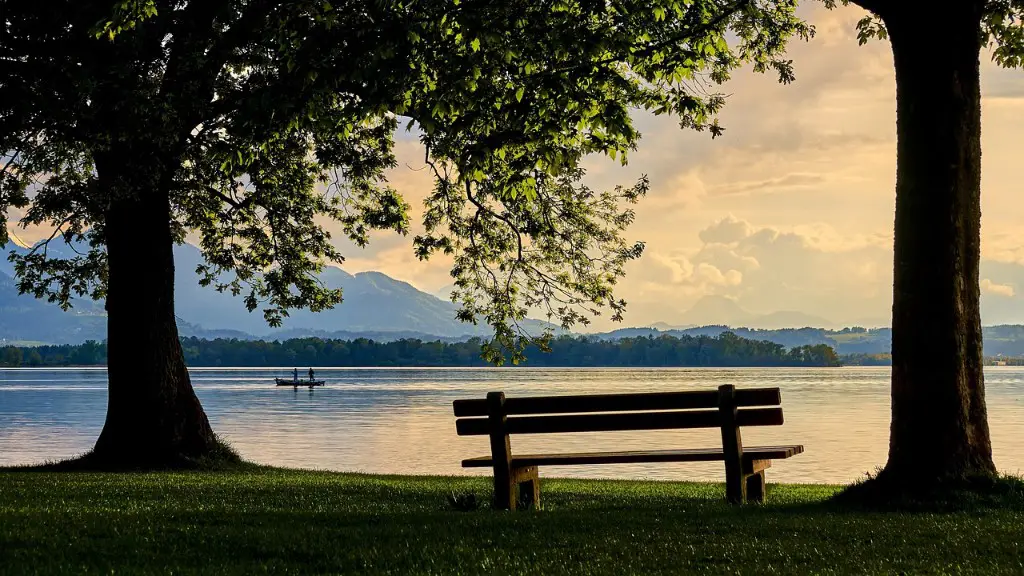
<point x="715" y="310"/>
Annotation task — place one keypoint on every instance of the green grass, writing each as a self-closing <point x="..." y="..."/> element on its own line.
<point x="280" y="521"/>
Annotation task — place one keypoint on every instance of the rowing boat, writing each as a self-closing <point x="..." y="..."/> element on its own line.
<point x="297" y="383"/>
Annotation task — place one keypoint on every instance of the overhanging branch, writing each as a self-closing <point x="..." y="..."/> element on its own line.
<point x="649" y="50"/>
<point x="235" y="204"/>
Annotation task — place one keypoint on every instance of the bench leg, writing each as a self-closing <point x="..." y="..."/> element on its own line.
<point x="735" y="488"/>
<point x="755" y="487"/>
<point x="505" y="495"/>
<point x="528" y="485"/>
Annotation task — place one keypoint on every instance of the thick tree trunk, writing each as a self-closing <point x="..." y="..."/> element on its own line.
<point x="939" y="423"/>
<point x="154" y="418"/>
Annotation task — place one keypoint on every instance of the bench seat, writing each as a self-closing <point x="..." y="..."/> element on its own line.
<point x="689" y="455"/>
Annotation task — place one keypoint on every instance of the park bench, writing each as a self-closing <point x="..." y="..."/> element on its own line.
<point x="516" y="476"/>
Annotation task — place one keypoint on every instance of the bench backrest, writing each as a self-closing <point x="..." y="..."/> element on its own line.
<point x="724" y="408"/>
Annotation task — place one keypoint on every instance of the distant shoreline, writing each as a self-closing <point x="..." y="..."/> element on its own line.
<point x="723" y="350"/>
<point x="726" y="350"/>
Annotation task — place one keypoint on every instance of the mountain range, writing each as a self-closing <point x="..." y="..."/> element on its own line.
<point x="719" y="310"/>
<point x="375" y="305"/>
<point x="382" y="308"/>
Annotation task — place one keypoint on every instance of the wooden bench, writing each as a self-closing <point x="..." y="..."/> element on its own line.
<point x="727" y="408"/>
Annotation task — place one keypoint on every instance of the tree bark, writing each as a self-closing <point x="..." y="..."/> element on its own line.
<point x="939" y="423"/>
<point x="154" y="418"/>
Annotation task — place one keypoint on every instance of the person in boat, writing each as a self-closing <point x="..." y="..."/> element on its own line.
<point x="310" y="374"/>
<point x="295" y="374"/>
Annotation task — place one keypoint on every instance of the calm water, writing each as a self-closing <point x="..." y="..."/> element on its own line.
<point x="400" y="420"/>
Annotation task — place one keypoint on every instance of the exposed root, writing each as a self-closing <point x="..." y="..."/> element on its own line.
<point x="888" y="491"/>
<point x="219" y="457"/>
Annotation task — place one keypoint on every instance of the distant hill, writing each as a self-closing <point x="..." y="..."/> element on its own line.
<point x="719" y="310"/>
<point x="1003" y="340"/>
<point x="24" y="318"/>
<point x="666" y="326"/>
<point x="382" y="308"/>
<point x="789" y="337"/>
<point x="373" y="303"/>
<point x="715" y="310"/>
<point x="375" y="306"/>
<point x="789" y="319"/>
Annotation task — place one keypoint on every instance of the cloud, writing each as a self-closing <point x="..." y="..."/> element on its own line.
<point x="725" y="231"/>
<point x="1004" y="246"/>
<point x="1001" y="83"/>
<point x="826" y="238"/>
<point x="764" y="268"/>
<point x="998" y="289"/>
<point x="770" y="184"/>
<point x="713" y="276"/>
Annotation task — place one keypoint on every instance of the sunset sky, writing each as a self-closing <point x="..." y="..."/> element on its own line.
<point x="792" y="209"/>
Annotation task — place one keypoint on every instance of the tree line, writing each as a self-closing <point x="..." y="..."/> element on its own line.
<point x="726" y="349"/>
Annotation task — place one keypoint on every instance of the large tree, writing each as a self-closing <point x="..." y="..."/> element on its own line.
<point x="128" y="125"/>
<point x="939" y="432"/>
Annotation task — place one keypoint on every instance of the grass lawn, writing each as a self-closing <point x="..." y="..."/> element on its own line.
<point x="272" y="520"/>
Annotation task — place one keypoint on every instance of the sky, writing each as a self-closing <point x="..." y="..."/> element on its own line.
<point x="792" y="208"/>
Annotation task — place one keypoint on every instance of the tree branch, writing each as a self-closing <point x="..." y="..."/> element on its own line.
<point x="235" y="204"/>
<point x="58" y="229"/>
<point x="689" y="33"/>
<point x="503" y="218"/>
<point x="7" y="166"/>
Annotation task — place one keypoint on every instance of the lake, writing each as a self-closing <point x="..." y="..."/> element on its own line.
<point x="400" y="420"/>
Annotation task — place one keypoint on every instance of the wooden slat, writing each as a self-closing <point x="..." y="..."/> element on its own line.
<point x="758" y="455"/>
<point x="618" y="422"/>
<point x="620" y="402"/>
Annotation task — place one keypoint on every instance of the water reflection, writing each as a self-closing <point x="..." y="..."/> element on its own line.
<point x="400" y="420"/>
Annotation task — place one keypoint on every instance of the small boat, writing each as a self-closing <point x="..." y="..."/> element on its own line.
<point x="297" y="383"/>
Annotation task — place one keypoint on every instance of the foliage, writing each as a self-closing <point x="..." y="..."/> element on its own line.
<point x="262" y="122"/>
<point x="266" y="520"/>
<point x="1002" y="25"/>
<point x="1003" y="28"/>
<point x="724" y="350"/>
<point x="862" y="359"/>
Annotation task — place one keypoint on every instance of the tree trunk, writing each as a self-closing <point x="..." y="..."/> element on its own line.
<point x="154" y="418"/>
<point x="939" y="423"/>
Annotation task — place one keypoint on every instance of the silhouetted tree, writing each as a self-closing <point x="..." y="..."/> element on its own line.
<point x="127" y="124"/>
<point x="939" y="426"/>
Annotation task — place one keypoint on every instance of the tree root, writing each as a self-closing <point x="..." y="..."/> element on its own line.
<point x="219" y="457"/>
<point x="888" y="491"/>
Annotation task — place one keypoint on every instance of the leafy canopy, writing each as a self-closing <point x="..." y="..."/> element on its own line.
<point x="1002" y="24"/>
<point x="261" y="122"/>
